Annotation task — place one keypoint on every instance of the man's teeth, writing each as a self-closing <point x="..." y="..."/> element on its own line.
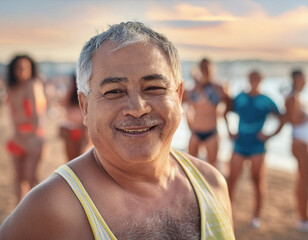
<point x="136" y="130"/>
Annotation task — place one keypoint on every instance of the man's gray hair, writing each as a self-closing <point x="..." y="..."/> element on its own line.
<point x="124" y="34"/>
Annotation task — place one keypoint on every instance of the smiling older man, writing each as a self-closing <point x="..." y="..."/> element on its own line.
<point x="131" y="185"/>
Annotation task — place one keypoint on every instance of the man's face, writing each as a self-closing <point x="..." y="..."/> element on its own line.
<point x="134" y="106"/>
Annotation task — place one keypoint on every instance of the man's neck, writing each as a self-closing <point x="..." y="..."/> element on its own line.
<point x="155" y="173"/>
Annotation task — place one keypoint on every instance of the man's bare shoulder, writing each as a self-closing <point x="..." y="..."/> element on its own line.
<point x="215" y="180"/>
<point x="47" y="212"/>
<point x="210" y="173"/>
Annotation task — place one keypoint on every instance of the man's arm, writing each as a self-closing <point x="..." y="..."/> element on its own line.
<point x="41" y="215"/>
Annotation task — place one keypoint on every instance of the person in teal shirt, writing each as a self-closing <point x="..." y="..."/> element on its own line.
<point x="249" y="142"/>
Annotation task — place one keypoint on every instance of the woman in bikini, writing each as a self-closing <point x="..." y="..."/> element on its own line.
<point x="72" y="130"/>
<point x="297" y="116"/>
<point x="27" y="102"/>
<point x="203" y="102"/>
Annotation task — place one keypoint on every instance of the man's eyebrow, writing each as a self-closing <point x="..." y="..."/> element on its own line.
<point x="154" y="77"/>
<point x="112" y="80"/>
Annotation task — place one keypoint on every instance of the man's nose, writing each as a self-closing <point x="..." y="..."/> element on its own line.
<point x="136" y="106"/>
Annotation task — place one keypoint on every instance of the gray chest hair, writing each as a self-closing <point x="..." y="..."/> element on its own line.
<point x="161" y="225"/>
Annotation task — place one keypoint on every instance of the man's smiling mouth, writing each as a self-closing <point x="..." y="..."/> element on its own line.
<point x="136" y="131"/>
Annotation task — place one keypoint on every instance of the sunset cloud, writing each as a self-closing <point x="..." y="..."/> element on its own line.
<point x="243" y="29"/>
<point x="255" y="34"/>
<point x="184" y="11"/>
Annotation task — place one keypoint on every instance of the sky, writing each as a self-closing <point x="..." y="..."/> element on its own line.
<point x="56" y="30"/>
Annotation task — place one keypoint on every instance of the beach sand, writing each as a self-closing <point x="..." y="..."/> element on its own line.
<point x="278" y="215"/>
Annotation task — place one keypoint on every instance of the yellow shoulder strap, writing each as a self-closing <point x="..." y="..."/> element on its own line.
<point x="98" y="225"/>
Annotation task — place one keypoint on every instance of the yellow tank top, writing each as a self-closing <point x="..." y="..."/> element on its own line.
<point x="215" y="223"/>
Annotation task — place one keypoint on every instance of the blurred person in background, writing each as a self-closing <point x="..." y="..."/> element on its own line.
<point x="3" y="94"/>
<point x="26" y="99"/>
<point x="249" y="143"/>
<point x="202" y="114"/>
<point x="297" y="115"/>
<point x="72" y="130"/>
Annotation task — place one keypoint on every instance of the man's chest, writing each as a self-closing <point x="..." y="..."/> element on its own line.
<point x="176" y="218"/>
<point x="162" y="224"/>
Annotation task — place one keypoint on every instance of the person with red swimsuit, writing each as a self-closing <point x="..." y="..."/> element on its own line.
<point x="72" y="130"/>
<point x="27" y="102"/>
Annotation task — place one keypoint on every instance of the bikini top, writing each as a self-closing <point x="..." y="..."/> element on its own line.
<point x="215" y="223"/>
<point x="209" y="91"/>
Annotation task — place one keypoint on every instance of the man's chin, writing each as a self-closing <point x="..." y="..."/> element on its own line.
<point x="139" y="153"/>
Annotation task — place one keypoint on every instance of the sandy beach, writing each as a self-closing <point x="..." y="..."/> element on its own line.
<point x="278" y="215"/>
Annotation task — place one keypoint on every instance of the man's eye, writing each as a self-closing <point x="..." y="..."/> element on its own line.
<point x="155" y="88"/>
<point x="114" y="93"/>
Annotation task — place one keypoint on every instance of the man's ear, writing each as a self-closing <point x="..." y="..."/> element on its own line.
<point x="83" y="104"/>
<point x="180" y="90"/>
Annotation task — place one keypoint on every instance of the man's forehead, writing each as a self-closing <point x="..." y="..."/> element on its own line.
<point x="140" y="64"/>
<point x="105" y="49"/>
<point x="140" y="55"/>
<point x="109" y="47"/>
